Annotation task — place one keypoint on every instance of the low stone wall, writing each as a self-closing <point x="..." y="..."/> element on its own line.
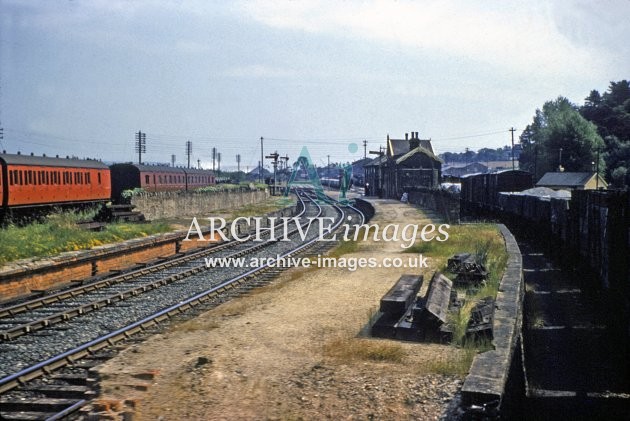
<point x="28" y="275"/>
<point x="444" y="203"/>
<point x="366" y="207"/>
<point x="23" y="277"/>
<point x="486" y="382"/>
<point x="159" y="205"/>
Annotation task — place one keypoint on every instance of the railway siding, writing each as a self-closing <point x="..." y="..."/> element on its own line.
<point x="486" y="382"/>
<point x="23" y="277"/>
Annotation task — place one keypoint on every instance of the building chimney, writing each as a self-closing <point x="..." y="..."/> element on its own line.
<point x="406" y="136"/>
<point x="414" y="142"/>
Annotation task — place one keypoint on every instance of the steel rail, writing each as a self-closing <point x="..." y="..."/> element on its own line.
<point x="34" y="304"/>
<point x="79" y="310"/>
<point x="48" y="366"/>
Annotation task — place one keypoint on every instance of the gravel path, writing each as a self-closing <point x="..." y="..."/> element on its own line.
<point x="273" y="353"/>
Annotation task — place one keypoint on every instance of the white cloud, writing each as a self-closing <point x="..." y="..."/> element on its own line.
<point x="259" y="71"/>
<point x="518" y="38"/>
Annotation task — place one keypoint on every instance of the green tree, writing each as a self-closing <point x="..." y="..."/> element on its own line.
<point x="559" y="137"/>
<point x="611" y="113"/>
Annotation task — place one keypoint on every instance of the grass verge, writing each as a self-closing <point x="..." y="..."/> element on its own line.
<point x="59" y="233"/>
<point x="353" y="349"/>
<point x="458" y="363"/>
<point x="486" y="242"/>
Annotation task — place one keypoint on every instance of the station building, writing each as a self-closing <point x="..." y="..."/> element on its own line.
<point x="404" y="166"/>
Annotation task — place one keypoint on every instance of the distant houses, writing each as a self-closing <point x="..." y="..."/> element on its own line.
<point x="456" y="171"/>
<point x="572" y="181"/>
<point x="254" y="174"/>
<point x="405" y="165"/>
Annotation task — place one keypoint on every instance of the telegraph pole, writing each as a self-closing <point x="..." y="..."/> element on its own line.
<point x="512" y="130"/>
<point x="260" y="173"/>
<point x="328" y="167"/>
<point x="214" y="157"/>
<point x="219" y="162"/>
<point x="188" y="151"/>
<point x="274" y="157"/>
<point x="597" y="175"/>
<point x="238" y="163"/>
<point x="141" y="145"/>
<point x="364" y="149"/>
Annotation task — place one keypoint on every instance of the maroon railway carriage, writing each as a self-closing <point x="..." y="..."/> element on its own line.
<point x="198" y="178"/>
<point x="156" y="178"/>
<point x="32" y="181"/>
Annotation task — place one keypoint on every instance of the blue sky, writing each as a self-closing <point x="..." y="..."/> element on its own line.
<point x="81" y="77"/>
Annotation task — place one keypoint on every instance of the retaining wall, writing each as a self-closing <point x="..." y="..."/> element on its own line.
<point x="366" y="207"/>
<point x="24" y="277"/>
<point x="488" y="377"/>
<point x="443" y="202"/>
<point x="158" y="205"/>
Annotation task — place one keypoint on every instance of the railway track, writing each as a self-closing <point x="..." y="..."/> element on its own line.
<point x="97" y="319"/>
<point x="30" y="316"/>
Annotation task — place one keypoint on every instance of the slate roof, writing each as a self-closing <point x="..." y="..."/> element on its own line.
<point x="398" y="146"/>
<point x="401" y="146"/>
<point x="414" y="151"/>
<point x="568" y="179"/>
<point x="376" y="161"/>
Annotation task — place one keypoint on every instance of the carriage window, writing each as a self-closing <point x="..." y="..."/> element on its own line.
<point x="147" y="179"/>
<point x="21" y="178"/>
<point x="153" y="178"/>
<point x="170" y="179"/>
<point x="29" y="177"/>
<point x="160" y="178"/>
<point x="99" y="178"/>
<point x="88" y="178"/>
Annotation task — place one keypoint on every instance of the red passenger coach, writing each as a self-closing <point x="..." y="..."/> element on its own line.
<point x="30" y="181"/>
<point x="198" y="178"/>
<point x="153" y="178"/>
<point x="1" y="190"/>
